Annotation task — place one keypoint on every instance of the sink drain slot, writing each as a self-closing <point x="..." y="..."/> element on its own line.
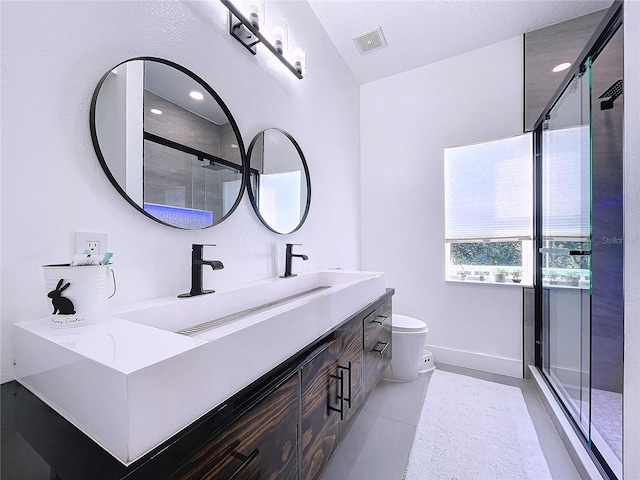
<point x="203" y="327"/>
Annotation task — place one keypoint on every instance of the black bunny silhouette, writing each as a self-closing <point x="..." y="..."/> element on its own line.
<point x="61" y="305"/>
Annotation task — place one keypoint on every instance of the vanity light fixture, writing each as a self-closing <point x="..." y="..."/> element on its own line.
<point x="561" y="67"/>
<point x="247" y="32"/>
<point x="156" y="111"/>
<point x="196" y="95"/>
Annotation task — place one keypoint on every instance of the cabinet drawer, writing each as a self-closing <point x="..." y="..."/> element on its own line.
<point x="377" y="326"/>
<point x="260" y="444"/>
<point x="377" y="345"/>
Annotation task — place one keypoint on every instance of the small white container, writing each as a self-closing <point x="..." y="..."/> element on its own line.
<point x="427" y="362"/>
<point x="77" y="295"/>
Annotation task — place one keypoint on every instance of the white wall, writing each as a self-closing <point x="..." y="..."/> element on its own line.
<point x="53" y="55"/>
<point x="631" y="239"/>
<point x="406" y="122"/>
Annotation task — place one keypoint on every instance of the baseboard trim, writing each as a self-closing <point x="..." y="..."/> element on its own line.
<point x="477" y="361"/>
<point x="585" y="465"/>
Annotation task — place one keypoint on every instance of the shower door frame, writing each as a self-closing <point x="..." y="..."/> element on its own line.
<point x="612" y="20"/>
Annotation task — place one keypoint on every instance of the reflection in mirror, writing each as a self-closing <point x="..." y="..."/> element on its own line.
<point x="279" y="185"/>
<point x="168" y="143"/>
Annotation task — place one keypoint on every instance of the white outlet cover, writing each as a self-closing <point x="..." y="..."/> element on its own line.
<point x="83" y="237"/>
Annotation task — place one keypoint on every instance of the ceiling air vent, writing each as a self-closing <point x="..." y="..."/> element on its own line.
<point x="370" y="41"/>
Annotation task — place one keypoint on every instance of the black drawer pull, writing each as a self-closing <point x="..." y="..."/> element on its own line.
<point x="245" y="464"/>
<point x="340" y="395"/>
<point x="380" y="322"/>
<point x="381" y="352"/>
<point x="348" y="399"/>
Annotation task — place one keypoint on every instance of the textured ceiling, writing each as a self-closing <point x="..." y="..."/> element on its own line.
<point x="419" y="32"/>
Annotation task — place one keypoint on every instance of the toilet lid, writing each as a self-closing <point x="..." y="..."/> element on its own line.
<point x="403" y="323"/>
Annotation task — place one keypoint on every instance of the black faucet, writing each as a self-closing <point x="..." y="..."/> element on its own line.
<point x="287" y="263"/>
<point x="196" y="270"/>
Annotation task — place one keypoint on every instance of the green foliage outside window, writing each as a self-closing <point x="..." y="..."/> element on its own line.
<point x="504" y="254"/>
<point x="552" y="260"/>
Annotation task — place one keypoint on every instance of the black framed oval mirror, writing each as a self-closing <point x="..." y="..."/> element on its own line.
<point x="168" y="143"/>
<point x="279" y="183"/>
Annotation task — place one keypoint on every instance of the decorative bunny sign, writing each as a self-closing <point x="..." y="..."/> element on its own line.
<point x="61" y="305"/>
<point x="78" y="293"/>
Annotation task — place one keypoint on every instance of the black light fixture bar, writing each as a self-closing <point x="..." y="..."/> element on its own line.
<point x="241" y="29"/>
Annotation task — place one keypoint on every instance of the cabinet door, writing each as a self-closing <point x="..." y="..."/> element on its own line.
<point x="320" y="422"/>
<point x="377" y="345"/>
<point x="260" y="444"/>
<point x="350" y="366"/>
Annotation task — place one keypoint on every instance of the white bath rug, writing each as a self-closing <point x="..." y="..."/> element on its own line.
<point x="471" y="429"/>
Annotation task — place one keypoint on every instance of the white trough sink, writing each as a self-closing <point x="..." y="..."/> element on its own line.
<point x="132" y="382"/>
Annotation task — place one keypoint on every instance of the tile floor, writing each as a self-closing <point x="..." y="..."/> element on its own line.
<point x="606" y="415"/>
<point x="377" y="446"/>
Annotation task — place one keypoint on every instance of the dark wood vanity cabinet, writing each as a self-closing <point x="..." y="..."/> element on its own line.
<point x="260" y="444"/>
<point x="320" y="420"/>
<point x="332" y="395"/>
<point x="351" y="363"/>
<point x="377" y="345"/>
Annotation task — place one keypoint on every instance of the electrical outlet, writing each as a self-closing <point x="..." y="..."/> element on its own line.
<point x="96" y="243"/>
<point x="94" y="247"/>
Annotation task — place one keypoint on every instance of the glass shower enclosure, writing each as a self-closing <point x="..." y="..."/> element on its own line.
<point x="580" y="252"/>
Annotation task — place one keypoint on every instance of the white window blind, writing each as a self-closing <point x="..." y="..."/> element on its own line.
<point x="566" y="178"/>
<point x="489" y="190"/>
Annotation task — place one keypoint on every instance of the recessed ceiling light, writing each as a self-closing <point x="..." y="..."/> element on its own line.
<point x="234" y="145"/>
<point x="196" y="95"/>
<point x="156" y="111"/>
<point x="561" y="67"/>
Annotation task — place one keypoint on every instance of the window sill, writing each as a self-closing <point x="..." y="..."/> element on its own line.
<point x="489" y="282"/>
<point x="582" y="286"/>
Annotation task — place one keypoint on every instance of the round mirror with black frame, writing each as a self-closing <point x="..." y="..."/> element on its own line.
<point x="279" y="183"/>
<point x="168" y="143"/>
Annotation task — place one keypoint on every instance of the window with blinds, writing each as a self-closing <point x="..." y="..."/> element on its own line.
<point x="489" y="209"/>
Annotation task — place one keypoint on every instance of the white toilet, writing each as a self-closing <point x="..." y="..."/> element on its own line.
<point x="408" y="338"/>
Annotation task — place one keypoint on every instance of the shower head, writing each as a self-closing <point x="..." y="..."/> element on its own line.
<point x="614" y="91"/>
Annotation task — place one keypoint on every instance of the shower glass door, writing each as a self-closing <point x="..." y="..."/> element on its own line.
<point x="581" y="240"/>
<point x="566" y="249"/>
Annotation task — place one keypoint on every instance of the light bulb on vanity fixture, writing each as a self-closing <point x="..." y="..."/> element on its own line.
<point x="245" y="27"/>
<point x="298" y="57"/>
<point x="279" y="35"/>
<point x="255" y="11"/>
